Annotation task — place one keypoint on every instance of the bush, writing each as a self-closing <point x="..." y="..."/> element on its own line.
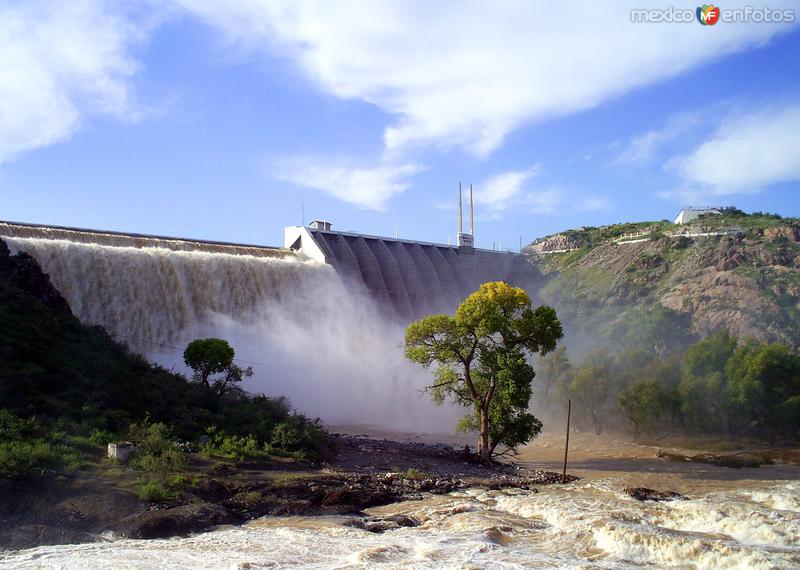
<point x="22" y="459"/>
<point x="158" y="457"/>
<point x="301" y="435"/>
<point x="238" y="448"/>
<point x="29" y="449"/>
<point x="154" y="492"/>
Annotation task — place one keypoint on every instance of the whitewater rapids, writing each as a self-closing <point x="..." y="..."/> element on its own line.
<point x="582" y="525"/>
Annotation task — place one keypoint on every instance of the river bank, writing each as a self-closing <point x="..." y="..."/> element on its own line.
<point x="99" y="501"/>
<point x="731" y="518"/>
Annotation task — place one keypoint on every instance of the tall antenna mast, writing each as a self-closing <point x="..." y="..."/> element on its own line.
<point x="471" y="214"/>
<point x="460" y="213"/>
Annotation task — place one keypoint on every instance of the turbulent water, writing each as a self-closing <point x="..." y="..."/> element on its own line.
<point x="307" y="334"/>
<point x="582" y="525"/>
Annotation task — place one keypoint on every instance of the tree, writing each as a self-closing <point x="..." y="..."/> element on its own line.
<point x="480" y="361"/>
<point x="209" y="356"/>
<point x="593" y="387"/>
<point x="555" y="372"/>
<point x="763" y="380"/>
<point x="650" y="405"/>
<point x="704" y="388"/>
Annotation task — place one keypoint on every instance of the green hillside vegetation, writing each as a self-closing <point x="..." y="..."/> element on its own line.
<point x="667" y="290"/>
<point x="638" y="316"/>
<point x="67" y="389"/>
<point x="718" y="386"/>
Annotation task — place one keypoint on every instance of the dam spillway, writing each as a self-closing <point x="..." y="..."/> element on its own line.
<point x="411" y="278"/>
<point x="405" y="278"/>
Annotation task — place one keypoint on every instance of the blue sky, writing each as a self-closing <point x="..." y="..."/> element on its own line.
<point x="196" y="119"/>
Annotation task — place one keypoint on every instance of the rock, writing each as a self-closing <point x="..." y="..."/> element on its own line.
<point x="338" y="497"/>
<point x="4" y="249"/>
<point x="497" y="535"/>
<point x="27" y="536"/>
<point x="382" y="524"/>
<point x="176" y="521"/>
<point x="645" y="494"/>
<point x="791" y="233"/>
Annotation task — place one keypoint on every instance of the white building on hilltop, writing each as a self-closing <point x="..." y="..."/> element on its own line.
<point x="690" y="213"/>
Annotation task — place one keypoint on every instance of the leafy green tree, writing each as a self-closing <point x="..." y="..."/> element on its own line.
<point x="209" y="356"/>
<point x="704" y="390"/>
<point x="593" y="388"/>
<point x="650" y="405"/>
<point x="764" y="380"/>
<point x="554" y="375"/>
<point x="480" y="361"/>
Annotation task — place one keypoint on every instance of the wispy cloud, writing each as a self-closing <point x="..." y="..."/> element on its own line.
<point x="62" y="62"/>
<point x="645" y="148"/>
<point x="470" y="76"/>
<point x="746" y="153"/>
<point x="368" y="187"/>
<point x="545" y="201"/>
<point x="501" y="190"/>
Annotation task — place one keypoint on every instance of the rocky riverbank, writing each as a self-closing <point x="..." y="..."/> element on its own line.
<point x="90" y="504"/>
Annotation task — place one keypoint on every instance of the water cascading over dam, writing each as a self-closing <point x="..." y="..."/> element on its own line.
<point x="320" y="321"/>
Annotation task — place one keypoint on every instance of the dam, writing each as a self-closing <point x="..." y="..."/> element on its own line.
<point x="320" y="319"/>
<point x="411" y="278"/>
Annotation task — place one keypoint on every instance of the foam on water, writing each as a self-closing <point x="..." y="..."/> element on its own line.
<point x="582" y="525"/>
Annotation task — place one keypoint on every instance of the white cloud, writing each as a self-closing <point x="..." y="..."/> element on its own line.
<point x="593" y="203"/>
<point x="545" y="201"/>
<point x="466" y="77"/>
<point x="747" y="153"/>
<point x="497" y="192"/>
<point x="507" y="191"/>
<point x="60" y="61"/>
<point x="643" y="149"/>
<point x="367" y="187"/>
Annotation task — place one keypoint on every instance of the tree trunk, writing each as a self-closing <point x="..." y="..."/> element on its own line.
<point x="483" y="441"/>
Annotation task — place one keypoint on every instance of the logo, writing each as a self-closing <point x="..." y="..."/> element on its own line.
<point x="708" y="14"/>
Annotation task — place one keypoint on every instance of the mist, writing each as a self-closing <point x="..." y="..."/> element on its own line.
<point x="307" y="334"/>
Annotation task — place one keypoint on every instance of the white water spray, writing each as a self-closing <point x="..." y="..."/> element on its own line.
<point x="308" y="335"/>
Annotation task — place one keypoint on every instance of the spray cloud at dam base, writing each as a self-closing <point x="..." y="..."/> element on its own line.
<point x="320" y="320"/>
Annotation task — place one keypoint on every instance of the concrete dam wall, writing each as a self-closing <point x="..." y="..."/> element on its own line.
<point x="411" y="278"/>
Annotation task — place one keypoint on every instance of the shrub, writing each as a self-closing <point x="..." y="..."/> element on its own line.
<point x="22" y="459"/>
<point x="29" y="449"/>
<point x="158" y="457"/>
<point x="238" y="448"/>
<point x="415" y="474"/>
<point x="301" y="435"/>
<point x="153" y="492"/>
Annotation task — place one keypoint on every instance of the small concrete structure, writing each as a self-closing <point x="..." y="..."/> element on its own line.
<point x="690" y="213"/>
<point x="320" y="225"/>
<point x="121" y="451"/>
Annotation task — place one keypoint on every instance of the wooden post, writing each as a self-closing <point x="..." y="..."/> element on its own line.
<point x="566" y="446"/>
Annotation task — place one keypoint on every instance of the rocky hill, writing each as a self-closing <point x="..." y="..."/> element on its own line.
<point x="662" y="284"/>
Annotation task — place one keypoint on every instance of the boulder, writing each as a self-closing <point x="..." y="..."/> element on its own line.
<point x="791" y="233"/>
<point x="645" y="494"/>
<point x="382" y="524"/>
<point x="176" y="521"/>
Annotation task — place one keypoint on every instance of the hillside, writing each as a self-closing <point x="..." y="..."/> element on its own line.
<point x="664" y="285"/>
